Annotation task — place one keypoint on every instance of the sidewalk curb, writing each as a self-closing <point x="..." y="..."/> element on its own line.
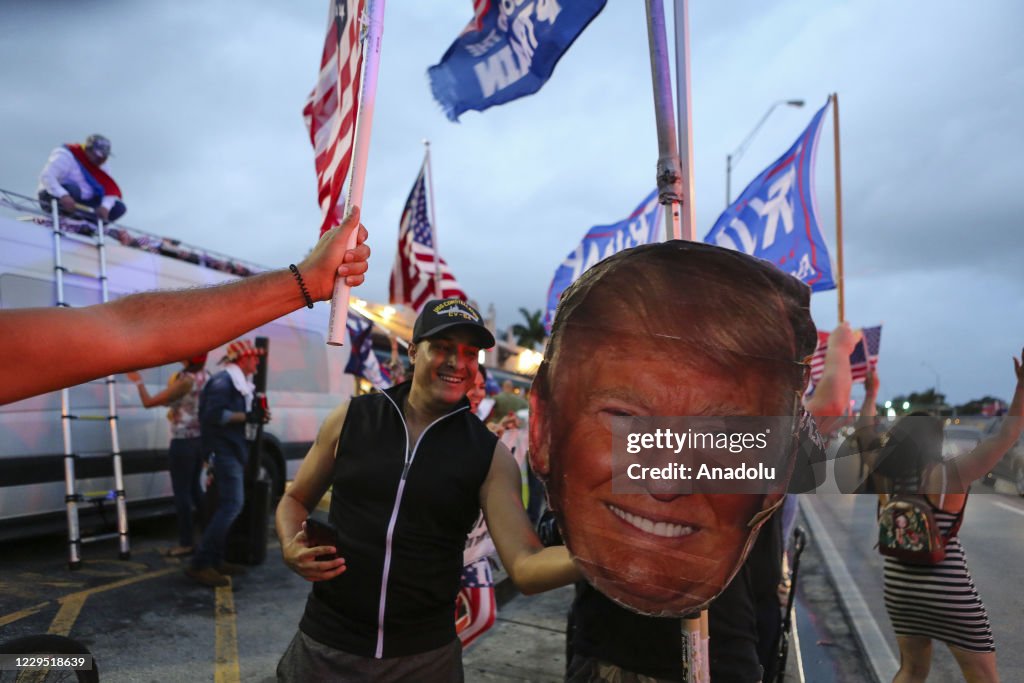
<point x="883" y="662"/>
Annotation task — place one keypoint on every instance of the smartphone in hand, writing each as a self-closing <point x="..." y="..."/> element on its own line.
<point x="319" y="531"/>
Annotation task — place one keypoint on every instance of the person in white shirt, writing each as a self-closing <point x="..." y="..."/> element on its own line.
<point x="74" y="175"/>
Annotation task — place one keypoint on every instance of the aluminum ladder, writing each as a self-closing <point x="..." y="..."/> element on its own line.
<point x="72" y="497"/>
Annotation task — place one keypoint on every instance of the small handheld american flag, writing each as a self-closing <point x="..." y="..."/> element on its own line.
<point x="865" y="354"/>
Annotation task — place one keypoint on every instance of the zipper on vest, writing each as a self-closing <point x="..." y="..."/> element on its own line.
<point x="409" y="456"/>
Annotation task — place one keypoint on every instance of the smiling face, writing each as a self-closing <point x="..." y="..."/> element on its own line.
<point x="477" y="392"/>
<point x="668" y="329"/>
<point x="444" y="368"/>
<point x="657" y="552"/>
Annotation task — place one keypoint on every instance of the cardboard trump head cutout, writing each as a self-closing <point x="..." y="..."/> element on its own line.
<point x="670" y="329"/>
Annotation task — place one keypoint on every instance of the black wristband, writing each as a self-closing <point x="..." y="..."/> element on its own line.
<point x="302" y="285"/>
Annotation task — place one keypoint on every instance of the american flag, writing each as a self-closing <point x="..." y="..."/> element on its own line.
<point x="860" y="359"/>
<point x="412" y="277"/>
<point x="475" y="607"/>
<point x="330" y="111"/>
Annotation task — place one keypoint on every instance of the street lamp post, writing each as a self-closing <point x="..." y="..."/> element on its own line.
<point x="731" y="159"/>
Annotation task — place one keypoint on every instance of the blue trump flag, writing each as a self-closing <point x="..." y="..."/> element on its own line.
<point x="362" y="362"/>
<point x="776" y="217"/>
<point x="508" y="50"/>
<point x="600" y="242"/>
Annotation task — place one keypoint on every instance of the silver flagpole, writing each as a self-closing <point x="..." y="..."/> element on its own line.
<point x="696" y="632"/>
<point x="360" y="152"/>
<point x="433" y="222"/>
<point x="670" y="185"/>
<point x="685" y="120"/>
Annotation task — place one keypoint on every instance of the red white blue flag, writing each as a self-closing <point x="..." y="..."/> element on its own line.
<point x="412" y="277"/>
<point x="362" y="362"/>
<point x="330" y="111"/>
<point x="864" y="356"/>
<point x="776" y="216"/>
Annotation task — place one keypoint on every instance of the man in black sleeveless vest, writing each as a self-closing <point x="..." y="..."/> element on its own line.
<point x="410" y="468"/>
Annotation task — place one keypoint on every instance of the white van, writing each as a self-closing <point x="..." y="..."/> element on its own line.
<point x="305" y="379"/>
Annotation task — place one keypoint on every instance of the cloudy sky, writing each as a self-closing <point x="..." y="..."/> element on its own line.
<point x="202" y="101"/>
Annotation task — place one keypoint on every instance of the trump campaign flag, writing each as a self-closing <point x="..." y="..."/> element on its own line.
<point x="330" y="111"/>
<point x="362" y="362"/>
<point x="600" y="242"/>
<point x="412" y="277"/>
<point x="776" y="216"/>
<point x="864" y="355"/>
<point x="508" y="50"/>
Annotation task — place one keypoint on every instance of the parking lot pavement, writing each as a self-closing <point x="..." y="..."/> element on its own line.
<point x="144" y="620"/>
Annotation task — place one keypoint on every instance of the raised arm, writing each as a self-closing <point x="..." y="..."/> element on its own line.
<point x="982" y="459"/>
<point x="532" y="567"/>
<point x="310" y="484"/>
<point x="832" y="394"/>
<point x="152" y="328"/>
<point x="178" y="388"/>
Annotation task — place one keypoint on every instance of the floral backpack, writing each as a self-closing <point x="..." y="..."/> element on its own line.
<point x="908" y="530"/>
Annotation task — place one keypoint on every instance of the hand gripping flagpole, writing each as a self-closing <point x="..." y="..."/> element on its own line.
<point x="669" y="172"/>
<point x="360" y="153"/>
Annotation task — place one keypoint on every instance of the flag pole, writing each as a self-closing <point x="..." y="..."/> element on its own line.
<point x="670" y="192"/>
<point x="433" y="221"/>
<point x="684" y="127"/>
<point x="670" y="183"/>
<point x="839" y="208"/>
<point x="360" y="153"/>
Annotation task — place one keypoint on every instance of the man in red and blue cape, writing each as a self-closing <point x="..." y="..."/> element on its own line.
<point x="74" y="175"/>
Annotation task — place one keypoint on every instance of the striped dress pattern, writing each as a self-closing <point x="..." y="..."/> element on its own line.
<point x="938" y="601"/>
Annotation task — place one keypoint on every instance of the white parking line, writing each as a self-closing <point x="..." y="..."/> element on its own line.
<point x="1007" y="506"/>
<point x="796" y="644"/>
<point x="879" y="653"/>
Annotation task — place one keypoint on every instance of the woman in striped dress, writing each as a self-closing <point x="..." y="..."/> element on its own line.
<point x="939" y="601"/>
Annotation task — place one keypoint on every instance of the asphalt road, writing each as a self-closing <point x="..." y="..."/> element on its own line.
<point x="993" y="538"/>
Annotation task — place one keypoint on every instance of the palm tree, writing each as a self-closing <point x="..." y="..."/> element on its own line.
<point x="532" y="333"/>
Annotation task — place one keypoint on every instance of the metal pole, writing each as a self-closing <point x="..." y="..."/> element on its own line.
<point x="738" y="152"/>
<point x="839" y="209"/>
<point x="433" y="220"/>
<point x="728" y="180"/>
<point x="360" y="152"/>
<point x="669" y="176"/>
<point x="685" y="120"/>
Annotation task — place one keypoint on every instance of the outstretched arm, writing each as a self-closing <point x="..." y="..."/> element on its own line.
<point x="986" y="454"/>
<point x="532" y="567"/>
<point x="152" y="328"/>
<point x="178" y="388"/>
<point x="832" y="394"/>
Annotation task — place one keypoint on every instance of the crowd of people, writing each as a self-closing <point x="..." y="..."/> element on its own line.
<point x="675" y="328"/>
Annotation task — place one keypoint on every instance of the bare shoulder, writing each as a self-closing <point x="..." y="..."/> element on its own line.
<point x="330" y="429"/>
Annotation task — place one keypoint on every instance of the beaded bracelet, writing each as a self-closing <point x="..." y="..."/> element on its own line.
<point x="302" y="285"/>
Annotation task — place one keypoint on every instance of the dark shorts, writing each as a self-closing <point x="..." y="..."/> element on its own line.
<point x="307" y="660"/>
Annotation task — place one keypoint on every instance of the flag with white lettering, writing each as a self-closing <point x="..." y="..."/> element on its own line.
<point x="600" y="242"/>
<point x="330" y="111"/>
<point x="508" y="50"/>
<point x="776" y="217"/>
<point x="412" y="276"/>
<point x="864" y="355"/>
<point x="362" y="361"/>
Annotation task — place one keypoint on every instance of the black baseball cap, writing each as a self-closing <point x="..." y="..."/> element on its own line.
<point x="442" y="314"/>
